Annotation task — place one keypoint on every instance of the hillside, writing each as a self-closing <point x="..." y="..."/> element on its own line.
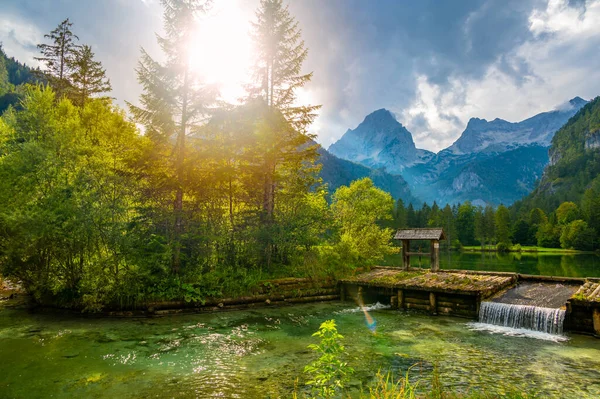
<point x="574" y="161"/>
<point x="338" y="172"/>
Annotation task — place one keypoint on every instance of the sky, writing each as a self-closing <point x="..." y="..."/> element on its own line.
<point x="434" y="64"/>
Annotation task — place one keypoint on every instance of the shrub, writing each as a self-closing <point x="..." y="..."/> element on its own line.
<point x="503" y="247"/>
<point x="328" y="373"/>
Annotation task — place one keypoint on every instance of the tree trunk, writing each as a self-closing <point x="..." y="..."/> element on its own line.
<point x="179" y="165"/>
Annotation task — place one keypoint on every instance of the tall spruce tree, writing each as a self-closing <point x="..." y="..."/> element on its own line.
<point x="88" y="77"/>
<point x="174" y="101"/>
<point x="288" y="155"/>
<point x="58" y="56"/>
<point x="280" y="53"/>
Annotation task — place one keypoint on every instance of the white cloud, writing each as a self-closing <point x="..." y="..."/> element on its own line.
<point x="563" y="61"/>
<point x="19" y="38"/>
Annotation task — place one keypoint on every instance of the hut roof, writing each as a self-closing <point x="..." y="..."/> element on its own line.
<point x="420" y="234"/>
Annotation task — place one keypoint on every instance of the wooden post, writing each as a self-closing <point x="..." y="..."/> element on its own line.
<point x="435" y="255"/>
<point x="400" y="299"/>
<point x="342" y="292"/>
<point x="394" y="302"/>
<point x="596" y="321"/>
<point x="432" y="303"/>
<point x="405" y="255"/>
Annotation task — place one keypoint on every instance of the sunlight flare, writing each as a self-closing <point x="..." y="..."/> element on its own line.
<point x="221" y="49"/>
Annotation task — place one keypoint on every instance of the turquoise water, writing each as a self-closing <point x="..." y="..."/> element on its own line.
<point x="260" y="354"/>
<point x="549" y="264"/>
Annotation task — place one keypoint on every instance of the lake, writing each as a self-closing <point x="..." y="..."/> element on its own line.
<point x="260" y="354"/>
<point x="548" y="264"/>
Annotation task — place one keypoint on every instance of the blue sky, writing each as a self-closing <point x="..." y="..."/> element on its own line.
<point x="435" y="64"/>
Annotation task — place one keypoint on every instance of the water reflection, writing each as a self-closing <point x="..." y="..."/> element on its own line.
<point x="549" y="264"/>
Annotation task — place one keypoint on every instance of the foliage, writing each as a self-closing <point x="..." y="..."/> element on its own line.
<point x="328" y="374"/>
<point x="356" y="210"/>
<point x="88" y="77"/>
<point x="280" y="53"/>
<point x="548" y="236"/>
<point x="58" y="56"/>
<point x="465" y="223"/>
<point x="577" y="235"/>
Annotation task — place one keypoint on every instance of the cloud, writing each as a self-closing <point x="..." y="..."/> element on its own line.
<point x="434" y="64"/>
<point x="20" y="38"/>
<point x="558" y="62"/>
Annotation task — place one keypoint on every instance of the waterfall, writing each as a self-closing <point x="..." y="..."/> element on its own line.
<point x="545" y="320"/>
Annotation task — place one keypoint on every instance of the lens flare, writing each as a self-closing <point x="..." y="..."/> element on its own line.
<point x="370" y="321"/>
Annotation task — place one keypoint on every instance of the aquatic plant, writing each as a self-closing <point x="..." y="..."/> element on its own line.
<point x="328" y="373"/>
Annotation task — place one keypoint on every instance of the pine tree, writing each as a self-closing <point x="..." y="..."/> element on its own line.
<point x="287" y="153"/>
<point x="58" y="56"/>
<point x="278" y="66"/>
<point x="174" y="101"/>
<point x="503" y="226"/>
<point x="88" y="77"/>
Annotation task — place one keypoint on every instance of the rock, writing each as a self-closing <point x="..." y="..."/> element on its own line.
<point x="268" y="301"/>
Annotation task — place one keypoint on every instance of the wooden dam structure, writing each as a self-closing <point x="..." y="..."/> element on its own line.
<point x="461" y="292"/>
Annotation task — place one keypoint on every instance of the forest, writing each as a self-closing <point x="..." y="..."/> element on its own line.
<point x="187" y="196"/>
<point x="183" y="196"/>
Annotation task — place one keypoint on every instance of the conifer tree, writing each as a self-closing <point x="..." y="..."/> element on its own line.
<point x="280" y="53"/>
<point x="58" y="56"/>
<point x="173" y="102"/>
<point x="88" y="77"/>
<point x="283" y="144"/>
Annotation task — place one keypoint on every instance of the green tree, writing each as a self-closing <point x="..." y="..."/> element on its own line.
<point x="577" y="235"/>
<point x="521" y="232"/>
<point x="400" y="215"/>
<point x="356" y="210"/>
<point x="537" y="217"/>
<point x="590" y="208"/>
<point x="548" y="236"/>
<point x="58" y="56"/>
<point x="4" y="82"/>
<point x="280" y="53"/>
<point x="567" y="212"/>
<point x="174" y="102"/>
<point x="465" y="224"/>
<point x="88" y="76"/>
<point x="65" y="200"/>
<point x="503" y="226"/>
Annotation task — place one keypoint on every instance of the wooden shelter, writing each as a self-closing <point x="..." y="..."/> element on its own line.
<point x="433" y="235"/>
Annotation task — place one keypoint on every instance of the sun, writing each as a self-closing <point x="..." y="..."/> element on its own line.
<point x="221" y="49"/>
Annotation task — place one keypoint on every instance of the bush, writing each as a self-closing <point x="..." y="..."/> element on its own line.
<point x="516" y="248"/>
<point x="503" y="247"/>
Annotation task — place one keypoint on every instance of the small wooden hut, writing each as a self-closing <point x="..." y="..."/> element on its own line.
<point x="433" y="235"/>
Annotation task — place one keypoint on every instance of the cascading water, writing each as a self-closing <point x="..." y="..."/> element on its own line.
<point x="521" y="321"/>
<point x="534" y="318"/>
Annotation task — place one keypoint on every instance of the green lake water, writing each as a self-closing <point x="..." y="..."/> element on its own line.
<point x="548" y="264"/>
<point x="260" y="354"/>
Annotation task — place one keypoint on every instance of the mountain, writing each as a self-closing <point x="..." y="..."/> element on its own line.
<point x="380" y="141"/>
<point x="491" y="162"/>
<point x="574" y="161"/>
<point x="338" y="172"/>
<point x="495" y="162"/>
<point x="499" y="135"/>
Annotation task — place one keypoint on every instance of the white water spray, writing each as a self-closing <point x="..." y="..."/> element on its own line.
<point x="521" y="320"/>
